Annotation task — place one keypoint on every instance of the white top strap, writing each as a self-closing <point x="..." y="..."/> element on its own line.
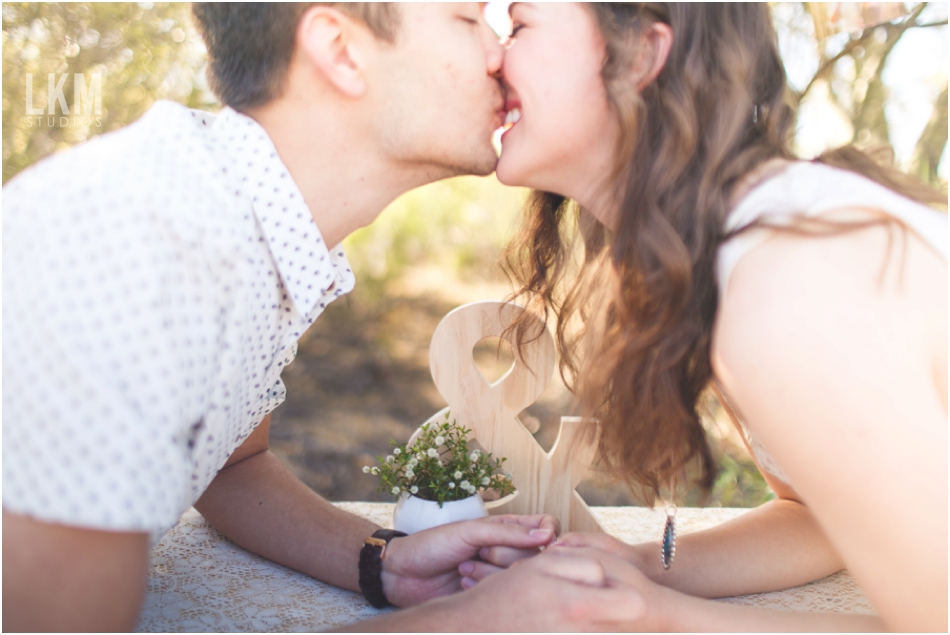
<point x="812" y="189"/>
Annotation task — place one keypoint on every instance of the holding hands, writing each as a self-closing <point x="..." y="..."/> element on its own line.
<point x="575" y="584"/>
<point x="564" y="588"/>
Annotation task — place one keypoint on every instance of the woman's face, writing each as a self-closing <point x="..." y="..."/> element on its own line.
<point x="565" y="138"/>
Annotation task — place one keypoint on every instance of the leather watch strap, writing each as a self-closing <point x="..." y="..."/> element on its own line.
<point x="371" y="566"/>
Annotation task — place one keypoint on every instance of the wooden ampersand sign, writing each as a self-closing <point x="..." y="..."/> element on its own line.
<point x="545" y="481"/>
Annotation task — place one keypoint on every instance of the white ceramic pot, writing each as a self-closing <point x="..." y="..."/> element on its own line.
<point x="414" y="514"/>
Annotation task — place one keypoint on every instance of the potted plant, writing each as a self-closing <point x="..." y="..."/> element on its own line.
<point x="437" y="480"/>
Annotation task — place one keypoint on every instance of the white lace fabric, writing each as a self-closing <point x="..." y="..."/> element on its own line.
<point x="201" y="581"/>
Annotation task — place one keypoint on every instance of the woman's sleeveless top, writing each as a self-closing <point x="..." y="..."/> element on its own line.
<point x="811" y="189"/>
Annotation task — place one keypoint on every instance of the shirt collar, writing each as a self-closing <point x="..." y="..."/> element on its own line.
<point x="307" y="266"/>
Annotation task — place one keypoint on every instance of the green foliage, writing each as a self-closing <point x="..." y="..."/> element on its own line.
<point x="439" y="466"/>
<point x="143" y="52"/>
<point x="740" y="484"/>
<point x="461" y="224"/>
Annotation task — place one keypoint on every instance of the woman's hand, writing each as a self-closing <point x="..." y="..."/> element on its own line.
<point x="617" y="559"/>
<point x="605" y="543"/>
<point x="495" y="559"/>
<point x="589" y="560"/>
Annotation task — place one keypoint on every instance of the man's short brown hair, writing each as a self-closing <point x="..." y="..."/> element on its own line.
<point x="250" y="44"/>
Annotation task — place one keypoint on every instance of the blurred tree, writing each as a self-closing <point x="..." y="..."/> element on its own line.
<point x="143" y="52"/>
<point x="853" y="43"/>
<point x="932" y="143"/>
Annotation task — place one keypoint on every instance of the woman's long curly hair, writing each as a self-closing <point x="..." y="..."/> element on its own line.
<point x="635" y="314"/>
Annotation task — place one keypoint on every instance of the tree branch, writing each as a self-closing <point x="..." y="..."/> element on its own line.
<point x="868" y="33"/>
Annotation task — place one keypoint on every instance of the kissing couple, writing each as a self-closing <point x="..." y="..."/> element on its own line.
<point x="154" y="295"/>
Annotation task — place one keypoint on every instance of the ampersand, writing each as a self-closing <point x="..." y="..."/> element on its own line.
<point x="545" y="481"/>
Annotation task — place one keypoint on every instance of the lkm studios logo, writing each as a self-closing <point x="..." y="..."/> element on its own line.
<point x="86" y="108"/>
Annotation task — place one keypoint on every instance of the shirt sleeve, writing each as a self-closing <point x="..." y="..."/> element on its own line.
<point x="107" y="353"/>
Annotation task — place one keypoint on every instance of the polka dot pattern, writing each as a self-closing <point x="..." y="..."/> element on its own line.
<point x="156" y="281"/>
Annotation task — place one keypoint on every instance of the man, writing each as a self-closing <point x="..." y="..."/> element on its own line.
<point x="156" y="282"/>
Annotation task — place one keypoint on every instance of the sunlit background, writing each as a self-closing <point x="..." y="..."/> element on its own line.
<point x="874" y="74"/>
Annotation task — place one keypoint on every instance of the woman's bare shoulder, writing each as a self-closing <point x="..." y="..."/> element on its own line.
<point x="879" y="283"/>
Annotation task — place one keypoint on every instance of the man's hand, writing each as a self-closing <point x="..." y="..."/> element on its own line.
<point x="433" y="563"/>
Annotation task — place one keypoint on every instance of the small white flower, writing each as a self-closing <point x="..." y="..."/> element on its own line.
<point x="410" y="474"/>
<point x="413" y="462"/>
<point x="396" y="490"/>
<point x="458" y="474"/>
<point x="474" y="455"/>
<point x="464" y="484"/>
<point x="375" y="470"/>
<point x="413" y="490"/>
<point x="420" y="456"/>
<point x="390" y="458"/>
<point x="486" y="481"/>
<point x="471" y="489"/>
<point x="439" y="440"/>
<point x="365" y="469"/>
<point x="397" y="451"/>
<point x="451" y="485"/>
<point x="432" y="453"/>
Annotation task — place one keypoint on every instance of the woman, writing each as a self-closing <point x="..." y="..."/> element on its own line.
<point x="812" y="297"/>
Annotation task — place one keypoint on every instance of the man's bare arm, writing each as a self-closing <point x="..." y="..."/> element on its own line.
<point x="59" y="578"/>
<point x="257" y="502"/>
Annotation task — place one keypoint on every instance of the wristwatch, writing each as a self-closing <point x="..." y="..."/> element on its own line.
<point x="371" y="566"/>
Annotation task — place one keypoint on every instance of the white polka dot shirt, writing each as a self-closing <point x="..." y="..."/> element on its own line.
<point x="155" y="283"/>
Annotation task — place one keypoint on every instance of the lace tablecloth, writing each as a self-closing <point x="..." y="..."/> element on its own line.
<point x="200" y="581"/>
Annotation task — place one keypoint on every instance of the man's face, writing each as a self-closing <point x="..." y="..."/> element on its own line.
<point x="438" y="90"/>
